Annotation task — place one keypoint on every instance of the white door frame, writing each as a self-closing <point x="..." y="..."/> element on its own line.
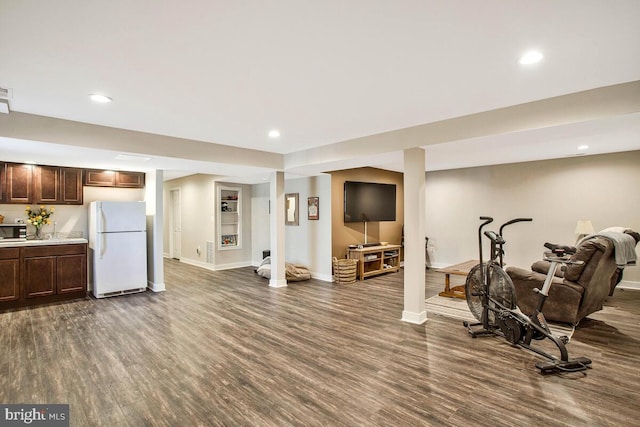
<point x="175" y="221"/>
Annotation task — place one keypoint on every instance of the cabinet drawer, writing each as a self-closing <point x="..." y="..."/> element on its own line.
<point x="9" y="253"/>
<point x="53" y="250"/>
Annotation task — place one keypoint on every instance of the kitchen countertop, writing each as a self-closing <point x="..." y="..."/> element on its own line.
<point x="13" y="243"/>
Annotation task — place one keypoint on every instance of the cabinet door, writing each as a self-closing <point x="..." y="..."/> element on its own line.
<point x="71" y="186"/>
<point x="19" y="183"/>
<point x="47" y="184"/>
<point x="39" y="276"/>
<point x="71" y="273"/>
<point x="9" y="279"/>
<point x="130" y="179"/>
<point x="99" y="178"/>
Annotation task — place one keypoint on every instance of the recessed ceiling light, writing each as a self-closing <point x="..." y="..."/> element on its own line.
<point x="100" y="98"/>
<point x="583" y="147"/>
<point x="274" y="133"/>
<point x="531" y="57"/>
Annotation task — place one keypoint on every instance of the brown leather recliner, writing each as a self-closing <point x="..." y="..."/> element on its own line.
<point x="575" y="293"/>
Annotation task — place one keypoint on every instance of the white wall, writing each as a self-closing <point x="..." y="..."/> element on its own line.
<point x="309" y="243"/>
<point x="259" y="221"/>
<point x="198" y="215"/>
<point x="555" y="193"/>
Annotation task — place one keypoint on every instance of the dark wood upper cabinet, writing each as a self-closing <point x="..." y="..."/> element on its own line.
<point x="71" y="186"/>
<point x="99" y="178"/>
<point x="120" y="179"/>
<point x="47" y="184"/>
<point x="57" y="185"/>
<point x="18" y="183"/>
<point x="129" y="179"/>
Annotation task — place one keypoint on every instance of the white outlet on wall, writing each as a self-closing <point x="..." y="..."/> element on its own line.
<point x="19" y="221"/>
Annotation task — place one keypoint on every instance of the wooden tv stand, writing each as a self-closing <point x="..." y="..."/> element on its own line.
<point x="376" y="260"/>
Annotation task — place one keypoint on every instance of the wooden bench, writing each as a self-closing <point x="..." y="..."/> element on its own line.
<point x="461" y="269"/>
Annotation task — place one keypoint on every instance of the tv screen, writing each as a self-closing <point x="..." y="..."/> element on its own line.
<point x="367" y="201"/>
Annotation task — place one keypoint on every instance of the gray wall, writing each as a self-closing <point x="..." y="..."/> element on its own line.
<point x="555" y="193"/>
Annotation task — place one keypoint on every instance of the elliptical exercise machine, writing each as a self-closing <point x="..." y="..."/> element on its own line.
<point x="491" y="298"/>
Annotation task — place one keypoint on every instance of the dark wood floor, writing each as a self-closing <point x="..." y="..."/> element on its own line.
<point x="222" y="348"/>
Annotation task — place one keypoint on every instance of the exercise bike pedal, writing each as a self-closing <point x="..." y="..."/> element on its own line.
<point x="557" y="366"/>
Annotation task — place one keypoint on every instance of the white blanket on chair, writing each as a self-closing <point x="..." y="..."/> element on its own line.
<point x="624" y="246"/>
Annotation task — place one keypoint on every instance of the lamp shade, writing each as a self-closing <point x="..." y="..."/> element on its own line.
<point x="584" y="227"/>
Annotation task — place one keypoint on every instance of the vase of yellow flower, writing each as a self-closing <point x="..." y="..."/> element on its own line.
<point x="38" y="218"/>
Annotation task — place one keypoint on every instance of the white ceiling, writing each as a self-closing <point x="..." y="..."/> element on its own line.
<point x="320" y="72"/>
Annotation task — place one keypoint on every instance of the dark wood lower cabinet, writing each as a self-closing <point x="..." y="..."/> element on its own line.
<point x="39" y="275"/>
<point x="9" y="279"/>
<point x="67" y="277"/>
<point x="32" y="275"/>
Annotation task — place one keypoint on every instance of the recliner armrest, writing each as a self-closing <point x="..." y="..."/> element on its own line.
<point x="542" y="267"/>
<point x="516" y="273"/>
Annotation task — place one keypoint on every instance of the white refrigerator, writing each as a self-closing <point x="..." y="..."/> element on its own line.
<point x="117" y="248"/>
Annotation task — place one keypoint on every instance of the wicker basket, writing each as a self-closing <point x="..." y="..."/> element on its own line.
<point x="344" y="270"/>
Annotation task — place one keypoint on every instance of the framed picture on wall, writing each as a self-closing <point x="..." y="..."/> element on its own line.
<point x="313" y="208"/>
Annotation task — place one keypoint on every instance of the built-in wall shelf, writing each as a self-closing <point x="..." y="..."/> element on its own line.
<point x="229" y="217"/>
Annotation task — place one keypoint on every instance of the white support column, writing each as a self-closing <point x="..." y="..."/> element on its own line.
<point x="414" y="233"/>
<point x="276" y="196"/>
<point x="154" y="183"/>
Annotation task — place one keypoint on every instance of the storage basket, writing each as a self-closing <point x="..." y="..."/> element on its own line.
<point x="344" y="270"/>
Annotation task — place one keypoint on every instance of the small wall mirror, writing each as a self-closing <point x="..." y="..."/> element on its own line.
<point x="291" y="210"/>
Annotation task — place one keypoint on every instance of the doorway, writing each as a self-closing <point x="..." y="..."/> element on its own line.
<point x="175" y="233"/>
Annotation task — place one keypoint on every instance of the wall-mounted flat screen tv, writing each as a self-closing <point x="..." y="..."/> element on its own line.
<point x="368" y="201"/>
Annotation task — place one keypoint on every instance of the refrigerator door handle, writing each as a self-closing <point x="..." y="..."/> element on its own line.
<point x="100" y="220"/>
<point x="102" y="244"/>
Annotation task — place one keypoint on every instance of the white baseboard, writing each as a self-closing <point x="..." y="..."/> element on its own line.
<point x="277" y="283"/>
<point x="627" y="284"/>
<point x="439" y="265"/>
<point x="323" y="277"/>
<point x="156" y="287"/>
<point x="198" y="263"/>
<point x="232" y="265"/>
<point x="415" y="318"/>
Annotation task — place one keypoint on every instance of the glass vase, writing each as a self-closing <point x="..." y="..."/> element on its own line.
<point x="38" y="235"/>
